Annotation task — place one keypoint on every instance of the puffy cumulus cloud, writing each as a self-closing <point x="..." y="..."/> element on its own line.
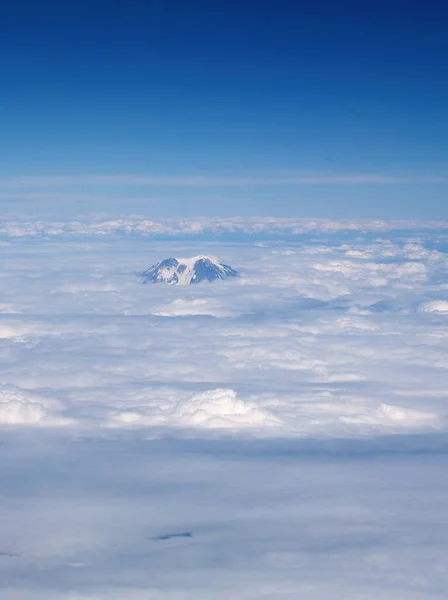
<point x="222" y="408"/>
<point x="336" y="408"/>
<point x="20" y="408"/>
<point x="212" y="409"/>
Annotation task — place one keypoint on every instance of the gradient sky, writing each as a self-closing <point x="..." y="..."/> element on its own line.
<point x="280" y="107"/>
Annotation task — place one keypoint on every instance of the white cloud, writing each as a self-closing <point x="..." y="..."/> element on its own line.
<point x="218" y="408"/>
<point x="19" y="408"/>
<point x="197" y="306"/>
<point x="435" y="306"/>
<point x="251" y="228"/>
<point x="81" y="324"/>
<point x="221" y="408"/>
<point x="15" y="410"/>
<point x="293" y="422"/>
<point x="391" y="416"/>
<point x="267" y="520"/>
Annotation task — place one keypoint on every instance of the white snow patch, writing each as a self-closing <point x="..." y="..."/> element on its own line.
<point x="187" y="275"/>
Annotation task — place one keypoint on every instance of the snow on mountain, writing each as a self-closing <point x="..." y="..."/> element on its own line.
<point x="184" y="271"/>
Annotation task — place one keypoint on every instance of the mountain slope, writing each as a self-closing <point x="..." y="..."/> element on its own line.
<point x="184" y="271"/>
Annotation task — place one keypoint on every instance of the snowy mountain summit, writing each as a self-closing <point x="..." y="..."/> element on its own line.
<point x="184" y="271"/>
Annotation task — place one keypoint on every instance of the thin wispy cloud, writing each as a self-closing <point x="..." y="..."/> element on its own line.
<point x="37" y="196"/>
<point x="151" y="180"/>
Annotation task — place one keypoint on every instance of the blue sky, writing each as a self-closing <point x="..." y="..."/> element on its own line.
<point x="325" y="109"/>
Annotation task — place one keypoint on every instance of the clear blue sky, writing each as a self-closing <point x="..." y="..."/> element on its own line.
<point x="318" y="108"/>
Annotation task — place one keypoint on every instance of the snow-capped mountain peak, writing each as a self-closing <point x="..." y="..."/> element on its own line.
<point x="183" y="271"/>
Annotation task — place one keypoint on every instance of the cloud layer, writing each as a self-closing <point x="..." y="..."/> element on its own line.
<point x="278" y="435"/>
<point x="235" y="228"/>
<point x="326" y="336"/>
